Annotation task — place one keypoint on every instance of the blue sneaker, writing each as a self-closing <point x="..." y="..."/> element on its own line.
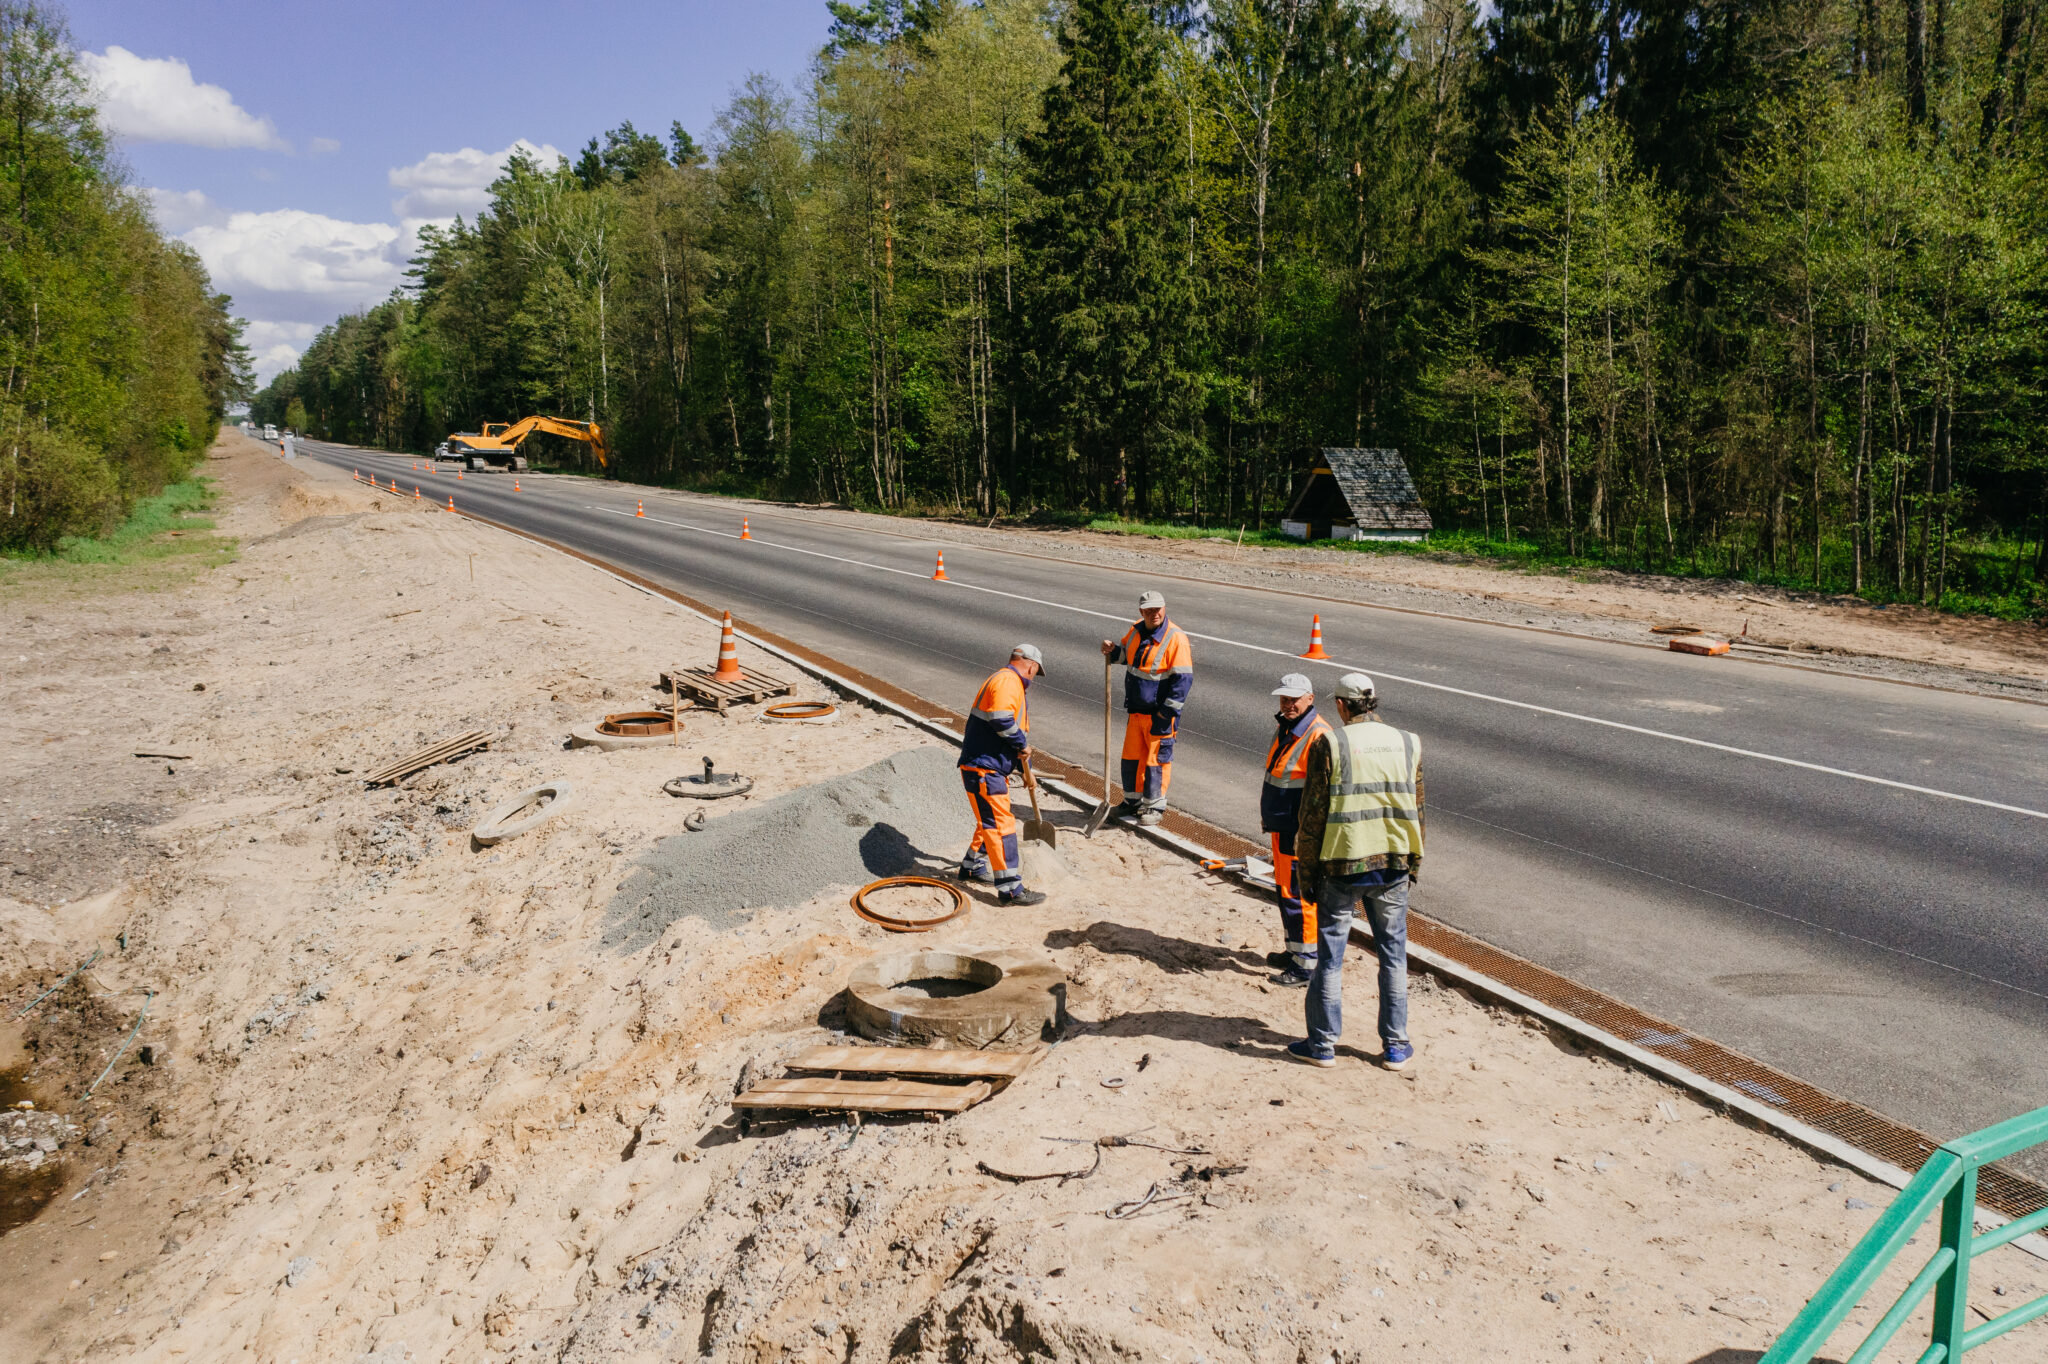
<point x="1396" y="1055"/>
<point x="1314" y="1053"/>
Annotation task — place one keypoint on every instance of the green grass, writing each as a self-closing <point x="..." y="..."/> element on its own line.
<point x="165" y="542"/>
<point x="1981" y="580"/>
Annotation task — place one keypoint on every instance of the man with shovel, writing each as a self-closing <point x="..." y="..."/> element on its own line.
<point x="1159" y="671"/>
<point x="996" y="744"/>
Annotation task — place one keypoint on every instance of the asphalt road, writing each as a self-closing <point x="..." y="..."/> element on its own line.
<point x="1887" y="944"/>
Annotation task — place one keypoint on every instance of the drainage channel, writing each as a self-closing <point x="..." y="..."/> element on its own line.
<point x="1845" y="1131"/>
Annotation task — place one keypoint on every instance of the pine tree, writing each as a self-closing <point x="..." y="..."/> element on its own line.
<point x="1105" y="307"/>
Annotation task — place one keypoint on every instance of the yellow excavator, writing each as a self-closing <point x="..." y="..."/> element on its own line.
<point x="499" y="442"/>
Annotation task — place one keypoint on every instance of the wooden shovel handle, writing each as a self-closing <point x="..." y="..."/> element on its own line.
<point x="1031" y="785"/>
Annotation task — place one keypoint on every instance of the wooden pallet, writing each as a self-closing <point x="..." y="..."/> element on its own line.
<point x="701" y="687"/>
<point x="864" y="1095"/>
<point x="997" y="1067"/>
<point x="866" y="1080"/>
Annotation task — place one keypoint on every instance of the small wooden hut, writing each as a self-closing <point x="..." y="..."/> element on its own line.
<point x="1357" y="495"/>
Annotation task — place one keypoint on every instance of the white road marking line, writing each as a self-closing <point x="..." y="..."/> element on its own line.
<point x="1340" y="665"/>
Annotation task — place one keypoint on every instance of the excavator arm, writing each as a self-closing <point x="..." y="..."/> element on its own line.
<point x="500" y="438"/>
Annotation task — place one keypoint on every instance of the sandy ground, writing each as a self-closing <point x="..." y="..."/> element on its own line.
<point x="395" y="1098"/>
<point x="2005" y="658"/>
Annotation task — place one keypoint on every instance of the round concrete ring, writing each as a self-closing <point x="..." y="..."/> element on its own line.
<point x="896" y="925"/>
<point x="639" y="724"/>
<point x="1010" y="1015"/>
<point x="801" y="712"/>
<point x="590" y="736"/>
<point x="499" y="824"/>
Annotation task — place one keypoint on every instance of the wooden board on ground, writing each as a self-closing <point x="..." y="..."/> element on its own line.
<point x="864" y="1095"/>
<point x="962" y="1063"/>
<point x="699" y="685"/>
<point x="429" y="756"/>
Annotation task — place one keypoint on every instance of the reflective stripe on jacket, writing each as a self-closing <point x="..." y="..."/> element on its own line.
<point x="1287" y="772"/>
<point x="1373" y="807"/>
<point x="998" y="728"/>
<point x="1159" y="670"/>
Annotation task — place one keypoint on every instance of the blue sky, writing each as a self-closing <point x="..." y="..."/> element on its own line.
<point x="298" y="146"/>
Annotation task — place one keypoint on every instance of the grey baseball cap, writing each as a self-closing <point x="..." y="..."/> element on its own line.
<point x="1354" y="687"/>
<point x="1029" y="653"/>
<point x="1148" y="600"/>
<point x="1294" y="684"/>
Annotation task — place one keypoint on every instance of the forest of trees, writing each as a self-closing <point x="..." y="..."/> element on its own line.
<point x="118" y="358"/>
<point x="1718" y="286"/>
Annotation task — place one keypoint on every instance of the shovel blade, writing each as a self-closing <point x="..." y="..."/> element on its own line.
<point x="1041" y="831"/>
<point x="1096" y="818"/>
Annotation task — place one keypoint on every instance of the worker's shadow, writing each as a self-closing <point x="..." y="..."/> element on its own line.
<point x="1238" y="1036"/>
<point x="886" y="851"/>
<point x="1728" y="1354"/>
<point x="1175" y="956"/>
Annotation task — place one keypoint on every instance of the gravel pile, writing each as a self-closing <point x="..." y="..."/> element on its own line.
<point x="904" y="815"/>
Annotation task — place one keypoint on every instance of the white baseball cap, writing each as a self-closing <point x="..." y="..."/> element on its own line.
<point x="1294" y="684"/>
<point x="1148" y="600"/>
<point x="1029" y="653"/>
<point x="1354" y="687"/>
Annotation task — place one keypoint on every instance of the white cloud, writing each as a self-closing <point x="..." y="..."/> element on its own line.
<point x="155" y="99"/>
<point x="291" y="251"/>
<point x="443" y="184"/>
<point x="179" y="211"/>
<point x="277" y="345"/>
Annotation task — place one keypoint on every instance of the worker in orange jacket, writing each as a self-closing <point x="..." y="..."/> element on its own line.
<point x="1297" y="727"/>
<point x="996" y="742"/>
<point x="1159" y="671"/>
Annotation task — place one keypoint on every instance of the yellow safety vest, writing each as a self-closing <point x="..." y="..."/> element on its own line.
<point x="1373" y="772"/>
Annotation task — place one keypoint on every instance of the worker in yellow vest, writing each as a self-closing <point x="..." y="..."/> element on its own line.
<point x="1296" y="727"/>
<point x="1360" y="845"/>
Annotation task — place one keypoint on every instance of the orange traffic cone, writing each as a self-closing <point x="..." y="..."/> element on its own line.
<point x="356" y="474"/>
<point x="939" y="573"/>
<point x="415" y="492"/>
<point x="451" y="502"/>
<point x="639" y="507"/>
<point x="745" y="534"/>
<point x="1315" y="639"/>
<point x="515" y="485"/>
<point x="458" y="473"/>
<point x="394" y="485"/>
<point x="728" y="654"/>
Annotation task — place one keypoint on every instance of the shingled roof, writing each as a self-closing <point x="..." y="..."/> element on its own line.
<point x="1369" y="487"/>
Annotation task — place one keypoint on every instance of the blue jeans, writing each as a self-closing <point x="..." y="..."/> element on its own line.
<point x="1338" y="900"/>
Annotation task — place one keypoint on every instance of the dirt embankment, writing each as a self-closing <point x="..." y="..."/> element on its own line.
<point x="409" y="1099"/>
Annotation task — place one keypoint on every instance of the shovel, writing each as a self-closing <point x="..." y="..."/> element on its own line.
<point x="1038" y="829"/>
<point x="1101" y="812"/>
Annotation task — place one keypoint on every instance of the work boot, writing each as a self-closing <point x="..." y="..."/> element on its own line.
<point x="1295" y="977"/>
<point x="975" y="871"/>
<point x="1151" y="819"/>
<point x="1279" y="961"/>
<point x="1021" y="896"/>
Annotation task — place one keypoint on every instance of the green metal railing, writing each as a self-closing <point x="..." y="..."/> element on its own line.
<point x="1947" y="1184"/>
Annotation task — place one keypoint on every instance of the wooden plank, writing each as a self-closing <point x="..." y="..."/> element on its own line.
<point x="867" y="1096"/>
<point x="961" y="1062"/>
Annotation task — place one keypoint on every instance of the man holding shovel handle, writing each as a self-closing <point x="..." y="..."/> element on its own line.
<point x="996" y="744"/>
<point x="1159" y="671"/>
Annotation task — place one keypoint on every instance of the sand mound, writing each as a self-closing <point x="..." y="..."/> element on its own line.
<point x="902" y="816"/>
